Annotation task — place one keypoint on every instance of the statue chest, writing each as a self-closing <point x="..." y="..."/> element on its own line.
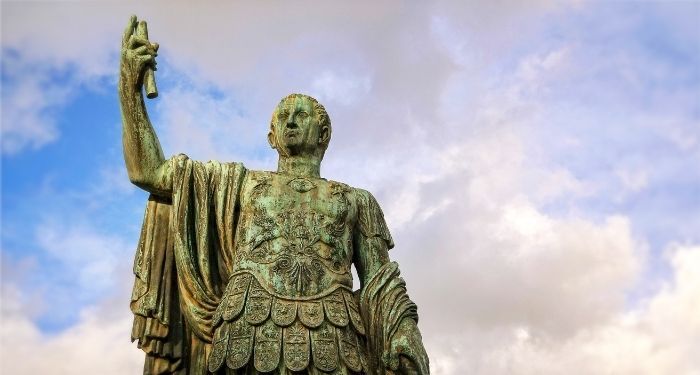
<point x="295" y="234"/>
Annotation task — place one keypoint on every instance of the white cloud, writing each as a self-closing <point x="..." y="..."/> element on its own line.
<point x="90" y="260"/>
<point x="633" y="180"/>
<point x="355" y="50"/>
<point x="70" y="253"/>
<point x="344" y="89"/>
<point x="494" y="258"/>
<point x="98" y="343"/>
<point x="660" y="337"/>
<point x="46" y="61"/>
<point x="28" y="101"/>
<point x="191" y="119"/>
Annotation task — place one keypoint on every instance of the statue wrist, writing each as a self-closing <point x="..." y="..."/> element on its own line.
<point x="129" y="87"/>
<point x="130" y="80"/>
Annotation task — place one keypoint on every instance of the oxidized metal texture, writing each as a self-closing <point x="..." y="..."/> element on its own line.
<point x="354" y="312"/>
<point x="220" y="346"/>
<point x="311" y="313"/>
<point x="295" y="234"/>
<point x="235" y="299"/>
<point x="364" y="355"/>
<point x="296" y="347"/>
<point x="301" y="185"/>
<point x="297" y="333"/>
<point x="268" y="346"/>
<point x="240" y="344"/>
<point x="349" y="348"/>
<point x="257" y="307"/>
<point x="324" y="347"/>
<point x="284" y="312"/>
<point x="336" y="312"/>
<point x="312" y="338"/>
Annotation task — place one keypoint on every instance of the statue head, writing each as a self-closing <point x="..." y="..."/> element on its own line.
<point x="300" y="126"/>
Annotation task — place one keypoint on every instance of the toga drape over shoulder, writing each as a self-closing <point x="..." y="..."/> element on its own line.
<point x="183" y="260"/>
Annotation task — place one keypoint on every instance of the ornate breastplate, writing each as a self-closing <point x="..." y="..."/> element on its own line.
<point x="289" y="305"/>
<point x="294" y="234"/>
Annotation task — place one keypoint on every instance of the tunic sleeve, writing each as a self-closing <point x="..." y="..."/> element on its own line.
<point x="370" y="218"/>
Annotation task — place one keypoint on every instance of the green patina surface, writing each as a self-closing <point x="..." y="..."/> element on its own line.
<point x="241" y="271"/>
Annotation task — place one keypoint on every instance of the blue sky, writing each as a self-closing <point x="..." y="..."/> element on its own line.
<point x="538" y="161"/>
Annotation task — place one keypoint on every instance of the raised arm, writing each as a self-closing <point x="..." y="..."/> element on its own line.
<point x="143" y="155"/>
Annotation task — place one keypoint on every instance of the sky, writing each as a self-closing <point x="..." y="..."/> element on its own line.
<point x="538" y="164"/>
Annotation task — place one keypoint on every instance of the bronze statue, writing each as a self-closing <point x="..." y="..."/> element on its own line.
<point x="245" y="272"/>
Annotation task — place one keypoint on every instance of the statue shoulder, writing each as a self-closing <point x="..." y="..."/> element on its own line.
<point x="362" y="199"/>
<point x="259" y="175"/>
<point x="181" y="170"/>
<point x="365" y="200"/>
<point x="370" y="217"/>
<point x="182" y="161"/>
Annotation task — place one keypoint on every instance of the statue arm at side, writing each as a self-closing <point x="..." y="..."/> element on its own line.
<point x="145" y="164"/>
<point x="388" y="312"/>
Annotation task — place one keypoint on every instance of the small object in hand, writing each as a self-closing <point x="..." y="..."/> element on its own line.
<point x="149" y="78"/>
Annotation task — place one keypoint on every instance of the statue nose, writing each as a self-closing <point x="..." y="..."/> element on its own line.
<point x="291" y="124"/>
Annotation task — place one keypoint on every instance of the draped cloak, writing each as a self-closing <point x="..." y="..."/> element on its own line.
<point x="185" y="257"/>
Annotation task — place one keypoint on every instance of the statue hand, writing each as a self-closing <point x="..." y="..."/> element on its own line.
<point x="407" y="354"/>
<point x="137" y="53"/>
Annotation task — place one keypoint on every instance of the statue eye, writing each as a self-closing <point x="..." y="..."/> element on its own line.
<point x="282" y="115"/>
<point x="302" y="115"/>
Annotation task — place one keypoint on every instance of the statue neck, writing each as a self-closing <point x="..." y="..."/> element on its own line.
<point x="302" y="166"/>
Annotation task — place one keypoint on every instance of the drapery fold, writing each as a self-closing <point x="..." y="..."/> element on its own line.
<point x="384" y="303"/>
<point x="182" y="263"/>
<point x="157" y="325"/>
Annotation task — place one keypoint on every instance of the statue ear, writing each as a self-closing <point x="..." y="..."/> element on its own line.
<point x="271" y="140"/>
<point x="325" y="135"/>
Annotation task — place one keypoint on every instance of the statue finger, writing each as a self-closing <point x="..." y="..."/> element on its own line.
<point x="143" y="50"/>
<point x="142" y="29"/>
<point x="137" y="41"/>
<point x="129" y="30"/>
<point x="147" y="60"/>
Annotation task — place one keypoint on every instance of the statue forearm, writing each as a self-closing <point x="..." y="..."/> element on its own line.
<point x="142" y="152"/>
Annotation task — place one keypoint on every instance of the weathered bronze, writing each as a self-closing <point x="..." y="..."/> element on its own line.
<point x="245" y="272"/>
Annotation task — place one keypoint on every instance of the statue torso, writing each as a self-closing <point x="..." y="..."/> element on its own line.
<point x="291" y="287"/>
<point x="294" y="234"/>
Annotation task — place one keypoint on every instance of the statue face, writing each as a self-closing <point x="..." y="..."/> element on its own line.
<point x="296" y="129"/>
